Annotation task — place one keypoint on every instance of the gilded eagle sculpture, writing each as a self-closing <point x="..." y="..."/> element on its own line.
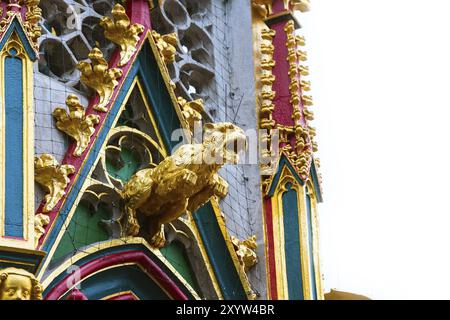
<point x="182" y="182"/>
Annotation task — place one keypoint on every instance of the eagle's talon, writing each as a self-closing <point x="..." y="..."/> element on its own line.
<point x="159" y="239"/>
<point x="133" y="226"/>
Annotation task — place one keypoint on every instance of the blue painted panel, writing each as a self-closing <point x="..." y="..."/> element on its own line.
<point x="312" y="269"/>
<point x="14" y="147"/>
<point x="292" y="243"/>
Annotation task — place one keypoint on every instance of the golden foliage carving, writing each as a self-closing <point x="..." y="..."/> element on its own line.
<point x="40" y="221"/>
<point x="76" y="124"/>
<point x="120" y="31"/>
<point x="166" y="45"/>
<point x="98" y="76"/>
<point x="53" y="177"/>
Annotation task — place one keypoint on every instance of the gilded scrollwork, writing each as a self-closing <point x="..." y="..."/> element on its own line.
<point x="76" y="123"/>
<point x="122" y="32"/>
<point x="53" y="177"/>
<point x="98" y="76"/>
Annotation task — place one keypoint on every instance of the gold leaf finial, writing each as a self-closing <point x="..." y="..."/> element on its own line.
<point x="120" y="31"/>
<point x="97" y="75"/>
<point x="53" y="177"/>
<point x="75" y="123"/>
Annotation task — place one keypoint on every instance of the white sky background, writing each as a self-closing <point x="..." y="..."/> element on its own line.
<point x="380" y="73"/>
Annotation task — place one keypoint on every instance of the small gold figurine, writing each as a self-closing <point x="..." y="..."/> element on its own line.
<point x="19" y="284"/>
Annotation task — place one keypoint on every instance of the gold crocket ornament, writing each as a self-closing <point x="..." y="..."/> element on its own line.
<point x="19" y="284"/>
<point x="246" y="254"/>
<point x="181" y="183"/>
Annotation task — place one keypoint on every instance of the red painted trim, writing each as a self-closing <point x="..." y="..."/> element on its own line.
<point x="282" y="113"/>
<point x="270" y="249"/>
<point x="14" y="238"/>
<point x="117" y="259"/>
<point x="124" y="296"/>
<point x="138" y="11"/>
<point x="278" y="6"/>
<point x="76" y="295"/>
<point x="77" y="162"/>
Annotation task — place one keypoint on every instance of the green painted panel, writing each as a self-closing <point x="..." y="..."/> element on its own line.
<point x="176" y="254"/>
<point x="220" y="257"/>
<point x="84" y="229"/>
<point x="129" y="166"/>
<point x="292" y="243"/>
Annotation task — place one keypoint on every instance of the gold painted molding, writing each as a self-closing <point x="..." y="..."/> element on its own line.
<point x="267" y="95"/>
<point x="75" y="123"/>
